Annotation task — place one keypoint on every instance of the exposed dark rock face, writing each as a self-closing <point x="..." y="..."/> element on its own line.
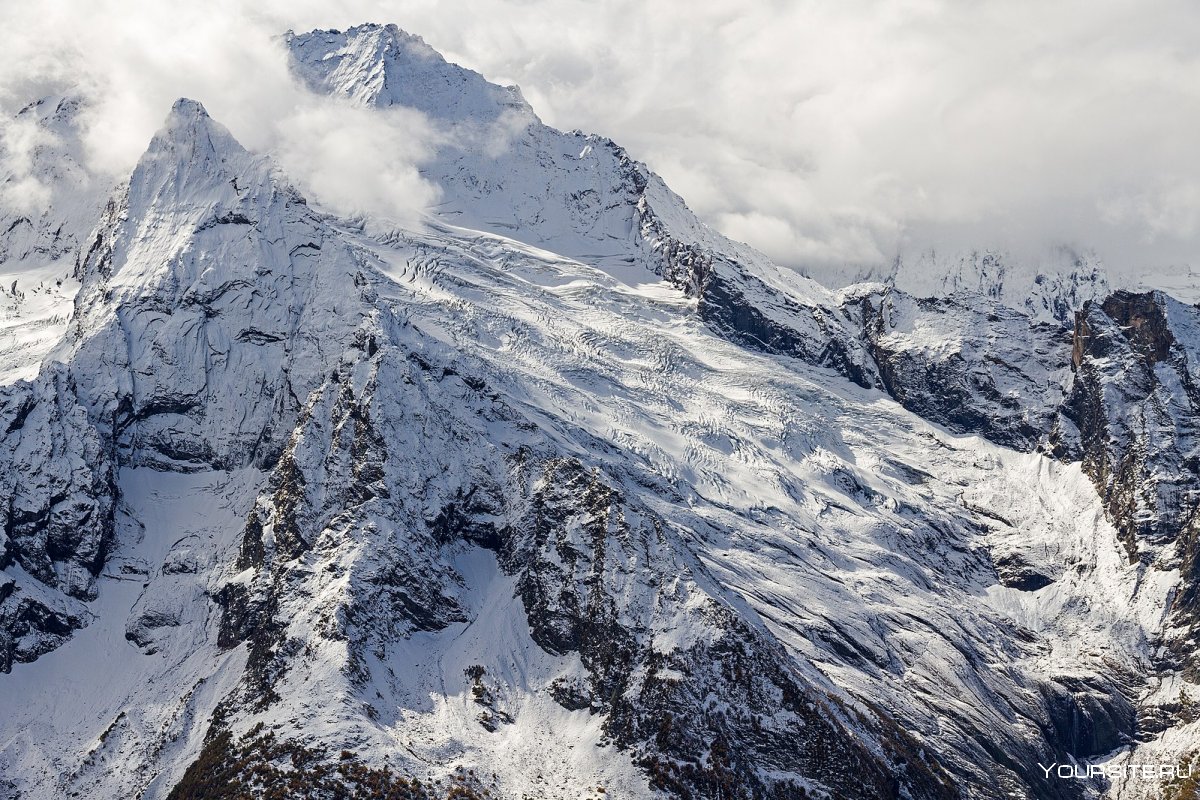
<point x="743" y="306"/>
<point x="1131" y="417"/>
<point x="330" y="486"/>
<point x="57" y="513"/>
<point x="1016" y="574"/>
<point x="1132" y="414"/>
<point x="810" y="333"/>
<point x="1087" y="719"/>
<point x="582" y="550"/>
<point x="971" y="367"/>
<point x="258" y="764"/>
<point x="31" y="627"/>
<point x="580" y="555"/>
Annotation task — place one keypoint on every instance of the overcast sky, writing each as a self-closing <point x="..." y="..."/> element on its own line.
<point x="822" y="133"/>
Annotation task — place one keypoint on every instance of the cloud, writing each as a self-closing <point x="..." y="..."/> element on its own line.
<point x="1169" y="209"/>
<point x="841" y="132"/>
<point x="23" y="191"/>
<point x="357" y="160"/>
<point x="133" y="59"/>
<point x="823" y="133"/>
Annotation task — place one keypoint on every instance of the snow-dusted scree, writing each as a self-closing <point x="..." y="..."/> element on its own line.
<point x="557" y="493"/>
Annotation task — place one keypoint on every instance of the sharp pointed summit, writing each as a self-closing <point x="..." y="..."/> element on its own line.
<point x="192" y="161"/>
<point x="381" y="65"/>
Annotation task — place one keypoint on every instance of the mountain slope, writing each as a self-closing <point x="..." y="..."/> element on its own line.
<point x="168" y="279"/>
<point x="970" y="366"/>
<point x="501" y="170"/>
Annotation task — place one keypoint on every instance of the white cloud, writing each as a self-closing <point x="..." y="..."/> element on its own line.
<point x="356" y="160"/>
<point x="132" y="59"/>
<point x="1170" y="209"/>
<point x="22" y="192"/>
<point x="866" y="126"/>
<point x="820" y="132"/>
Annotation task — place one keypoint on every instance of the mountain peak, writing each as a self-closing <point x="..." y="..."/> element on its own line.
<point x="187" y="108"/>
<point x="382" y="65"/>
<point x="190" y="157"/>
<point x="188" y="122"/>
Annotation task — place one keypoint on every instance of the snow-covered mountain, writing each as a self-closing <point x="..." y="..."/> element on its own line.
<point x="42" y="235"/>
<point x="1050" y="287"/>
<point x="560" y="493"/>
